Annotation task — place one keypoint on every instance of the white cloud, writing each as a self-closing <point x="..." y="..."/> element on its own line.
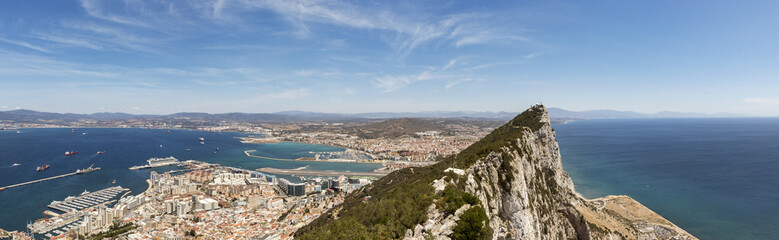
<point x="390" y="83"/>
<point x="763" y="101"/>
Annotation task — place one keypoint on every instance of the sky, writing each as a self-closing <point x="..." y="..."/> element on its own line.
<point x="159" y="57"/>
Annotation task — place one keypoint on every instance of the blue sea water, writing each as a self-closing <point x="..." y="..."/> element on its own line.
<point x="716" y="178"/>
<point x="124" y="148"/>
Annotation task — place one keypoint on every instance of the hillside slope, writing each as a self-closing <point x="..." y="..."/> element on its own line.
<point x="508" y="185"/>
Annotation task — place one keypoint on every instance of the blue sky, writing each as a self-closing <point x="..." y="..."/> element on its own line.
<point x="161" y="57"/>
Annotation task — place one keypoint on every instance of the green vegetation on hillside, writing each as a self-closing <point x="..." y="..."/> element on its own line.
<point x="400" y="200"/>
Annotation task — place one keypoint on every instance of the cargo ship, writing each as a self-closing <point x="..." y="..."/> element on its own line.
<point x="38" y="169"/>
<point x="70" y="153"/>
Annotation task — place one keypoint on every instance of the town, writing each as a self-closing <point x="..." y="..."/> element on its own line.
<point x="200" y="199"/>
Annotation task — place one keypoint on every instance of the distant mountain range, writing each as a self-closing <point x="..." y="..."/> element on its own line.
<point x="24" y="115"/>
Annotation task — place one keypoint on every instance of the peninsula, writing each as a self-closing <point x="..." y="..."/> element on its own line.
<point x="508" y="185"/>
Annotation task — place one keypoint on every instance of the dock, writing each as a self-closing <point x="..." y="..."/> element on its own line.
<point x="87" y="200"/>
<point x="39" y="180"/>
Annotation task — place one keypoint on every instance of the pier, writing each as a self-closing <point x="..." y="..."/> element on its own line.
<point x="80" y="171"/>
<point x="39" y="180"/>
<point x="71" y="204"/>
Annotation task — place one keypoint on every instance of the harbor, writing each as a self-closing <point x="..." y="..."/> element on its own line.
<point x="87" y="200"/>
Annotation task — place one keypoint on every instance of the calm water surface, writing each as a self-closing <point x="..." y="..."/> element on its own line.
<point x="716" y="178"/>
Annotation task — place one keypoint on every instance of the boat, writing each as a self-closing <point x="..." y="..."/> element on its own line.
<point x="202" y="143"/>
<point x="1" y="189"/>
<point x="83" y="133"/>
<point x="189" y="150"/>
<point x="87" y="170"/>
<point x="16" y="165"/>
<point x="113" y="182"/>
<point x="100" y="152"/>
<point x="38" y="169"/>
<point x="71" y="153"/>
<point x="157" y="162"/>
<point x="18" y="131"/>
<point x="160" y="145"/>
<point x="201" y="139"/>
<point x="165" y="131"/>
<point x="213" y="153"/>
<point x="217" y="148"/>
<point x="84" y="193"/>
<point x="73" y="130"/>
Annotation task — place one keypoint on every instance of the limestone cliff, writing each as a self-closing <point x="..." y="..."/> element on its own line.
<point x="509" y="185"/>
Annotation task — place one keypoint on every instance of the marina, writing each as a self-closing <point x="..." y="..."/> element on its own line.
<point x="87" y="199"/>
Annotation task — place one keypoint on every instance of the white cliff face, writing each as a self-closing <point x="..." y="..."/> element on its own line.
<point x="522" y="187"/>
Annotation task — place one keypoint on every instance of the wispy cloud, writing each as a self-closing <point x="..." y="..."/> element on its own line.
<point x="391" y="83"/>
<point x="317" y="72"/>
<point x="96" y="9"/>
<point x="68" y="41"/>
<point x="25" y="44"/>
<point x="412" y="30"/>
<point x="452" y="84"/>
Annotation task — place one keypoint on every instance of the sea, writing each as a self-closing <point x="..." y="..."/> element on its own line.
<point x="123" y="147"/>
<point x="717" y="178"/>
